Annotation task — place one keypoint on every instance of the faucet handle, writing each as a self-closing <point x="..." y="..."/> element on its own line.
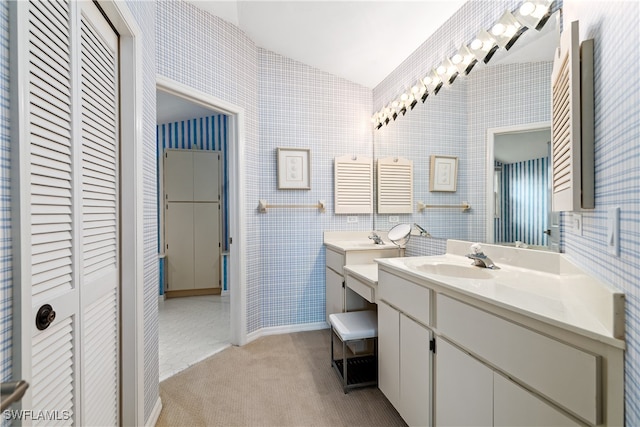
<point x="476" y="248"/>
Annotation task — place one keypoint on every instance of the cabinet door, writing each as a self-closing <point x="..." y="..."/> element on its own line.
<point x="178" y="176"/>
<point x="333" y="292"/>
<point x="389" y="353"/>
<point x="464" y="388"/>
<point x="515" y="406"/>
<point x="415" y="373"/>
<point x="179" y="245"/>
<point x="206" y="176"/>
<point x="206" y="256"/>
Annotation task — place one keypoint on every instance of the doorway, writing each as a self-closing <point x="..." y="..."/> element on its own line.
<point x="206" y="324"/>
<point x="518" y="197"/>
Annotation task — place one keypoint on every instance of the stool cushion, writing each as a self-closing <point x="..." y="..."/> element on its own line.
<point x="355" y="325"/>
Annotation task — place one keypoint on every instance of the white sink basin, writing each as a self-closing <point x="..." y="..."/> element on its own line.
<point x="454" y="270"/>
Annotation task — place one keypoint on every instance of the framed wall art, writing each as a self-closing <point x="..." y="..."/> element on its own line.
<point x="294" y="169"/>
<point x="443" y="174"/>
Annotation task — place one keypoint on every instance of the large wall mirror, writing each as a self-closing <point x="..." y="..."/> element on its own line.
<point x="512" y="91"/>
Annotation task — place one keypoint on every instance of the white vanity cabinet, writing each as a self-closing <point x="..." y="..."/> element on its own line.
<point x="337" y="255"/>
<point x="488" y="397"/>
<point x="463" y="388"/>
<point x="404" y="348"/>
<point x="447" y="358"/>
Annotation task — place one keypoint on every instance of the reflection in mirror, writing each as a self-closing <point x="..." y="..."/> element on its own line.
<point x="518" y="197"/>
<point x="513" y="89"/>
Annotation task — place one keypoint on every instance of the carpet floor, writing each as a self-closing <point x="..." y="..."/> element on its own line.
<point x="278" y="380"/>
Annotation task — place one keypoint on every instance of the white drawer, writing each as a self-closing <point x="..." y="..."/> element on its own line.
<point x="365" y="291"/>
<point x="334" y="260"/>
<point x="410" y="298"/>
<point x="565" y="374"/>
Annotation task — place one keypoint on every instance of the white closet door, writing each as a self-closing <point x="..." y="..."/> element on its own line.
<point x="179" y="245"/>
<point x="178" y="175"/>
<point x="99" y="211"/>
<point x="206" y="176"/>
<point x="206" y="222"/>
<point x="69" y="226"/>
<point x="53" y="351"/>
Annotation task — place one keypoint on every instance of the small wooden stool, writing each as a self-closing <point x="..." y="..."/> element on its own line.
<point x="358" y="370"/>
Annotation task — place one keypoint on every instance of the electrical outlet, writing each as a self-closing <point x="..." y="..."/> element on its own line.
<point x="352" y="219"/>
<point x="577" y="224"/>
<point x="394" y="218"/>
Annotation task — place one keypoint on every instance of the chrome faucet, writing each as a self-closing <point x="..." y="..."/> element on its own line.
<point x="423" y="232"/>
<point x="376" y="239"/>
<point x="480" y="259"/>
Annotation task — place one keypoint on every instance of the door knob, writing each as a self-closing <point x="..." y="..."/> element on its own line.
<point x="547" y="232"/>
<point x="44" y="317"/>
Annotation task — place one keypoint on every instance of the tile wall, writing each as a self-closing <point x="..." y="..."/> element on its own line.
<point x="6" y="293"/>
<point x="614" y="27"/>
<point x="144" y="13"/>
<point x="302" y="107"/>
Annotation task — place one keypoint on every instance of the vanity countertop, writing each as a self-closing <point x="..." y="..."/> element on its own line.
<point x="343" y="241"/>
<point x="366" y="273"/>
<point x="557" y="293"/>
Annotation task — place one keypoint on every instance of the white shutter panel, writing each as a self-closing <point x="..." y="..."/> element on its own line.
<point x="395" y="185"/>
<point x="353" y="185"/>
<point x="101" y="350"/>
<point x="99" y="152"/>
<point x="53" y="365"/>
<point x="99" y="161"/>
<point x="569" y="191"/>
<point x="50" y="146"/>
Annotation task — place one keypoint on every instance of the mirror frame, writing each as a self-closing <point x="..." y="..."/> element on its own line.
<point x="491" y="136"/>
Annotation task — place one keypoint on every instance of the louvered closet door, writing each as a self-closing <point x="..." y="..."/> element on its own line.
<point x="99" y="212"/>
<point x="72" y="365"/>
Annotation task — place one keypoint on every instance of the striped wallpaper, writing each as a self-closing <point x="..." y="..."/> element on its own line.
<point x="204" y="133"/>
<point x="523" y="202"/>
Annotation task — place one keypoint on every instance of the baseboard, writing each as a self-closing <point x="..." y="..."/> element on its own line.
<point x="155" y="414"/>
<point x="286" y="329"/>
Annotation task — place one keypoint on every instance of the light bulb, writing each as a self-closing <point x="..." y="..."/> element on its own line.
<point x="395" y="104"/>
<point x="415" y="89"/>
<point x="457" y="58"/>
<point x="476" y="44"/>
<point x="441" y="69"/>
<point x="540" y="11"/>
<point x="404" y="97"/>
<point x="427" y="80"/>
<point x="527" y="8"/>
<point x="498" y="29"/>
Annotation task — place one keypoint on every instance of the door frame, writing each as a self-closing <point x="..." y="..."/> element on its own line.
<point x="236" y="147"/>
<point x="131" y="382"/>
<point x="491" y="137"/>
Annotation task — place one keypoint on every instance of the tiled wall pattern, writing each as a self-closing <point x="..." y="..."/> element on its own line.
<point x="6" y="293"/>
<point x="614" y="27"/>
<point x="302" y="107"/>
<point x="524" y="202"/>
<point x="202" y="133"/>
<point x="144" y="13"/>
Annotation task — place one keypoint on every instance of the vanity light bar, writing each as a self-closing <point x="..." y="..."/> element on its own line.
<point x="531" y="14"/>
